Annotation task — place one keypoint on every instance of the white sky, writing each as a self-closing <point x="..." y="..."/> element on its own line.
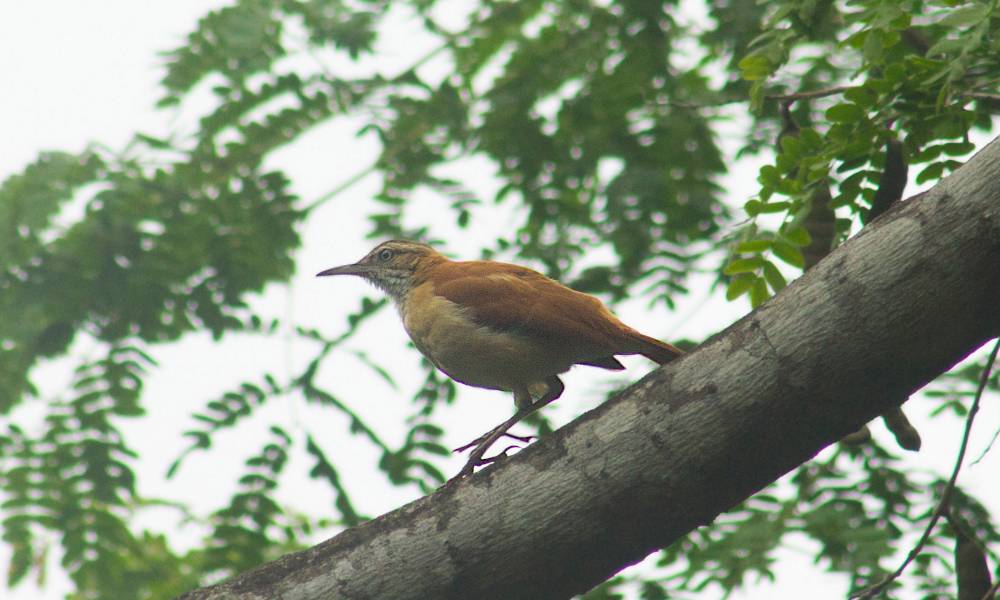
<point x="76" y="72"/>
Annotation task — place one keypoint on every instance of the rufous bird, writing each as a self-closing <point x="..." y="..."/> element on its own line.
<point x="498" y="326"/>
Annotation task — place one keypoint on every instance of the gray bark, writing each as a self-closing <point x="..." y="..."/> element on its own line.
<point x="914" y="293"/>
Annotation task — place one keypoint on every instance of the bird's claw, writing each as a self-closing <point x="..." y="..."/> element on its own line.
<point x="498" y="456"/>
<point x="524" y="439"/>
<point x="473" y="462"/>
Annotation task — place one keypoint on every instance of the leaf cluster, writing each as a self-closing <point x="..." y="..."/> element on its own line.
<point x="913" y="74"/>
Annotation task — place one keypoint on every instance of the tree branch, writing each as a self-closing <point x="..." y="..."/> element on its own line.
<point x="907" y="298"/>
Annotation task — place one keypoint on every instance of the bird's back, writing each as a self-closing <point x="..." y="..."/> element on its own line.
<point x="511" y="298"/>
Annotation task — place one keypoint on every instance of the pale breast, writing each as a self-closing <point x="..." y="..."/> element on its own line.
<point x="470" y="353"/>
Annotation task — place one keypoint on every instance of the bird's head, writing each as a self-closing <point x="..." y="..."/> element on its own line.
<point x="392" y="266"/>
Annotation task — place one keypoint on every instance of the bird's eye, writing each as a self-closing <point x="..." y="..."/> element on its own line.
<point x="385" y="254"/>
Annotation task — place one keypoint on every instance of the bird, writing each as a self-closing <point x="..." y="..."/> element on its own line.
<point x="498" y="326"/>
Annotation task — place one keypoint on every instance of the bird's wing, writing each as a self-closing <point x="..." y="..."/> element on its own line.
<point x="516" y="299"/>
<point x="511" y="298"/>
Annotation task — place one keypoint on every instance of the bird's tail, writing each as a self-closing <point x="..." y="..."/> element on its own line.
<point x="654" y="349"/>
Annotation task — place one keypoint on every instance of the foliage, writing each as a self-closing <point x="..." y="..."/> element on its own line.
<point x="915" y="73"/>
<point x="602" y="121"/>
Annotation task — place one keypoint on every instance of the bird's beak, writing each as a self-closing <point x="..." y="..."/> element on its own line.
<point x="355" y="269"/>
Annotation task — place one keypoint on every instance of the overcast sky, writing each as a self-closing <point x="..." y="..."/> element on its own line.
<point x="81" y="72"/>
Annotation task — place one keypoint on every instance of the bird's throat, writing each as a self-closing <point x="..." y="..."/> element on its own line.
<point x="396" y="285"/>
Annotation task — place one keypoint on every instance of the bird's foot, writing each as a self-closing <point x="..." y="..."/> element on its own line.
<point x="470" y="466"/>
<point x="524" y="439"/>
<point x="498" y="456"/>
<point x="480" y="461"/>
<point x="482" y="443"/>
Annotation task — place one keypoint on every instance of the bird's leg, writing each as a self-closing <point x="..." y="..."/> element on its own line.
<point x="523" y="403"/>
<point x="522" y="399"/>
<point x="555" y="389"/>
<point x="483" y="443"/>
<point x="524" y="439"/>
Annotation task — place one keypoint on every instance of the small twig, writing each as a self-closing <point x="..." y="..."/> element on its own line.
<point x="989" y="447"/>
<point x="942" y="504"/>
<point x="339" y="188"/>
<point x="351" y="181"/>
<point x="830" y="91"/>
<point x="807" y="95"/>
<point x="982" y="96"/>
<point x="699" y="105"/>
<point x="789" y="98"/>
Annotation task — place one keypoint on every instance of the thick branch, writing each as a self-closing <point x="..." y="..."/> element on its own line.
<point x="914" y="293"/>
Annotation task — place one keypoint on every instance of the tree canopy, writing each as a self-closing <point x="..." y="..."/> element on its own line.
<point x="602" y="124"/>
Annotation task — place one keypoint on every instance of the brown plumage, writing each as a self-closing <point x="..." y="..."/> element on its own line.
<point x="516" y="299"/>
<point x="499" y="326"/>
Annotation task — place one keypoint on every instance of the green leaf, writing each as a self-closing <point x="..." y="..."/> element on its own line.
<point x="946" y="46"/>
<point x="873" y="50"/>
<point x="324" y="469"/>
<point x="928" y="153"/>
<point x="774" y="207"/>
<point x="796" y="235"/>
<point x="966" y="16"/>
<point x="652" y="590"/>
<point x="791" y="146"/>
<point x="810" y="138"/>
<point x="30" y="200"/>
<point x="847" y="112"/>
<point x="774" y="277"/>
<point x="753" y="246"/>
<point x="755" y="67"/>
<point x="759" y="293"/>
<point x="744" y="265"/>
<point x="958" y="148"/>
<point x="932" y="172"/>
<point x="769" y="176"/>
<point x="739" y="285"/>
<point x="862" y="96"/>
<point x="377" y="368"/>
<point x="788" y="253"/>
